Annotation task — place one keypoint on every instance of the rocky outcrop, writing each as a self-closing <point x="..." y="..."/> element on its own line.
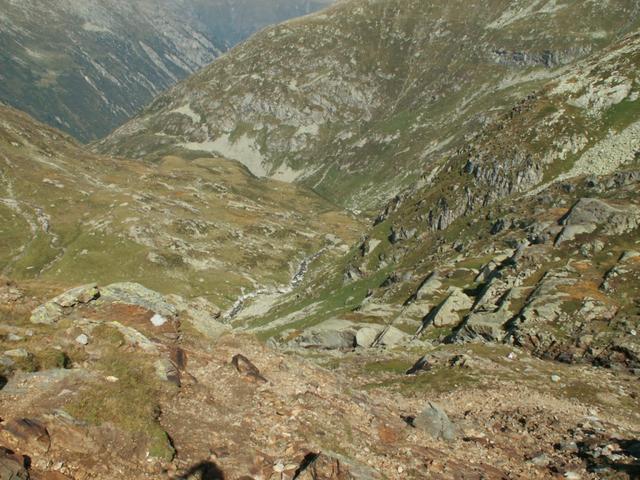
<point x="327" y="339"/>
<point x="547" y="59"/>
<point x="27" y="434"/>
<point x="484" y="326"/>
<point x="378" y="336"/>
<point x="126" y="293"/>
<point x="53" y="310"/>
<point x="12" y="466"/>
<point x="588" y="214"/>
<point x="447" y="313"/>
<point x="401" y="234"/>
<point x="136" y="294"/>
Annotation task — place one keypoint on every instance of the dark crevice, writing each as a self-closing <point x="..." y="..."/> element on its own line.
<point x="203" y="471"/>
<point x="308" y="460"/>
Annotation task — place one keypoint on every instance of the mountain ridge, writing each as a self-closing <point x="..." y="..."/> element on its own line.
<point x="319" y="129"/>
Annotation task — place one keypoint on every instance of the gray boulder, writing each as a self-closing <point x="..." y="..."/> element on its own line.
<point x="366" y="336"/>
<point x="376" y="336"/>
<point x="47" y="314"/>
<point x="447" y="313"/>
<point x="136" y="294"/>
<point x="327" y="339"/>
<point x="78" y="295"/>
<point x="570" y="232"/>
<point x="429" y="286"/>
<point x="629" y="255"/>
<point x="484" y="326"/>
<point x="50" y="312"/>
<point x="392" y="336"/>
<point x="435" y="422"/>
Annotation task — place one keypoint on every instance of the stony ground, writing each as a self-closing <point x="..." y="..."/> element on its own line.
<point x="121" y="380"/>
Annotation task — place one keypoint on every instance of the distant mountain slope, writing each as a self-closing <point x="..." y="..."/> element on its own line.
<point x="356" y="101"/>
<point x="204" y="228"/>
<point x="86" y="66"/>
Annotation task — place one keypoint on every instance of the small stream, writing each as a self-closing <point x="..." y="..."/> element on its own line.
<point x="299" y="276"/>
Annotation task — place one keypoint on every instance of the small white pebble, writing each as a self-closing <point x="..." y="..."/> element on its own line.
<point x="158" y="320"/>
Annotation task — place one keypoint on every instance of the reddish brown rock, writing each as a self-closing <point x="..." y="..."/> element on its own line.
<point x="12" y="466"/>
<point x="26" y="435"/>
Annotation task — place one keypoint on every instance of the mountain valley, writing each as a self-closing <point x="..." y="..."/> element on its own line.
<point x="387" y="240"/>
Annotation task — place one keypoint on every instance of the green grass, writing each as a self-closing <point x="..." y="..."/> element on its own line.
<point x="436" y="381"/>
<point x="38" y="254"/>
<point x="131" y="403"/>
<point x="13" y="231"/>
<point x="623" y="114"/>
<point x="334" y="299"/>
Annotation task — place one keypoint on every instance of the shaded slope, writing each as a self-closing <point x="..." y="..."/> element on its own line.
<point x="87" y="66"/>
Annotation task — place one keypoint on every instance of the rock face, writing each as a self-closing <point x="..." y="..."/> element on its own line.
<point x="27" y="434"/>
<point x="591" y="213"/>
<point x="446" y="314"/>
<point x="428" y="286"/>
<point x="136" y="294"/>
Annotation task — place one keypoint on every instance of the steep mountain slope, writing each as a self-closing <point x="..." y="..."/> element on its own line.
<point x="86" y="66"/>
<point x="356" y="101"/>
<point x="527" y="235"/>
<point x="203" y="228"/>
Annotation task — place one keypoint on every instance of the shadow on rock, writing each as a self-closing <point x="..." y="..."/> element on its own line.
<point x="3" y="381"/>
<point x="625" y="460"/>
<point x="202" y="471"/>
